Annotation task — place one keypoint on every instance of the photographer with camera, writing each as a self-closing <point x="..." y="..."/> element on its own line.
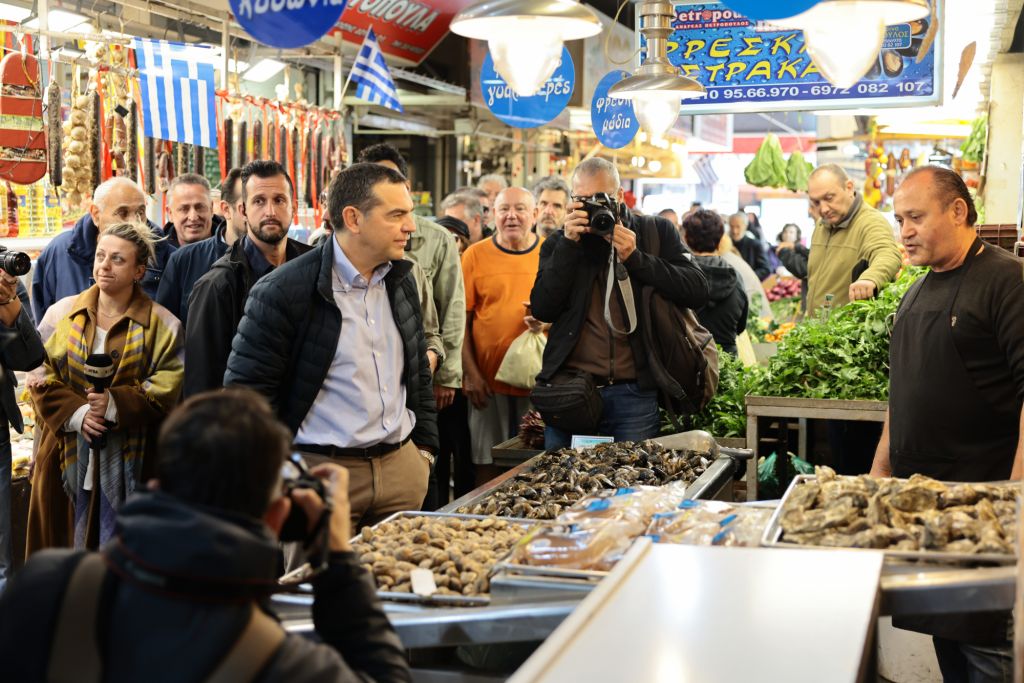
<point x="20" y="349"/>
<point x="594" y="346"/>
<point x="180" y="593"/>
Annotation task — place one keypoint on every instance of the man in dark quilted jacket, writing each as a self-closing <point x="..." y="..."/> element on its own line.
<point x="334" y="339"/>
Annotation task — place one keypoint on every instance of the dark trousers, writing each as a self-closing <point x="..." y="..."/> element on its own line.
<point x="965" y="663"/>
<point x="453" y="458"/>
<point x="853" y="445"/>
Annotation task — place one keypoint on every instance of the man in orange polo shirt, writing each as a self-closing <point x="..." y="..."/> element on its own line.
<point x="499" y="274"/>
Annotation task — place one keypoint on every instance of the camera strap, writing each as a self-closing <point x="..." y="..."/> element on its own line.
<point x="617" y="274"/>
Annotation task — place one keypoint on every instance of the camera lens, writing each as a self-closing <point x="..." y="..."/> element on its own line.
<point x="602" y="222"/>
<point x="15" y="263"/>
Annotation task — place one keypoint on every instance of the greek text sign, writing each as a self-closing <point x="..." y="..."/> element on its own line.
<point x="287" y="23"/>
<point x="532" y="111"/>
<point x="613" y="119"/>
<point x="743" y="62"/>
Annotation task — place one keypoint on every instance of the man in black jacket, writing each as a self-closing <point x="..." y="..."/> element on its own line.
<point x="749" y="247"/>
<point x="335" y="340"/>
<point x="196" y="558"/>
<point x="194" y="260"/>
<point x="218" y="298"/>
<point x="570" y="293"/>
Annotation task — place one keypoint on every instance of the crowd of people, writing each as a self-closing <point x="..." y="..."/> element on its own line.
<point x="376" y="356"/>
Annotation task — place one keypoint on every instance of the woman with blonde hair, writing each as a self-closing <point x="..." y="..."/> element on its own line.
<point x="74" y="495"/>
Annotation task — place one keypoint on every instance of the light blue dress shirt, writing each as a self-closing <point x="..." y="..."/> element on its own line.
<point x="362" y="400"/>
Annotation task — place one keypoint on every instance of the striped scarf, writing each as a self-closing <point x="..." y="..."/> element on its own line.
<point x="118" y="475"/>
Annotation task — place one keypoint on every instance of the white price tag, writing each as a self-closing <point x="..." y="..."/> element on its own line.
<point x="580" y="442"/>
<point x="423" y="582"/>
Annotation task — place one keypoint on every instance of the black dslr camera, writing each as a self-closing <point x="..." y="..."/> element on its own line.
<point x="296" y="475"/>
<point x="16" y="263"/>
<point x="602" y="213"/>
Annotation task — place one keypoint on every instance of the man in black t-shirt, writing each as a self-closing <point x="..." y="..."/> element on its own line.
<point x="956" y="384"/>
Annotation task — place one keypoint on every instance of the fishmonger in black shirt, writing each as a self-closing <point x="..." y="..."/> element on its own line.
<point x="956" y="383"/>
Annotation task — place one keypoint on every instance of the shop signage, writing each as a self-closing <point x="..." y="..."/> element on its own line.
<point x="287" y="23"/>
<point x="406" y="29"/>
<point x="613" y="119"/>
<point x="748" y="65"/>
<point x="532" y="111"/>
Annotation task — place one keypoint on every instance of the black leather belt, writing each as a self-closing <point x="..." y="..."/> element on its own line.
<point x="601" y="382"/>
<point x="367" y="453"/>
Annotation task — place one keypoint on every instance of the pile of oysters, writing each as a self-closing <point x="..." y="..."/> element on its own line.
<point x="900" y="514"/>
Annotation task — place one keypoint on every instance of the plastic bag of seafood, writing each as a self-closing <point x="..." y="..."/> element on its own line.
<point x="595" y="532"/>
<point x="710" y="522"/>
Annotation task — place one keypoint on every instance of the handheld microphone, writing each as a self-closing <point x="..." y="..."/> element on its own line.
<point x="99" y="368"/>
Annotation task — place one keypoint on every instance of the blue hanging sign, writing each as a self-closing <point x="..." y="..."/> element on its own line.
<point x="777" y="9"/>
<point x="613" y="119"/>
<point x="535" y="110"/>
<point x="287" y="23"/>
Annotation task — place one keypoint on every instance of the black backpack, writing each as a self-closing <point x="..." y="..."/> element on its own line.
<point x="682" y="354"/>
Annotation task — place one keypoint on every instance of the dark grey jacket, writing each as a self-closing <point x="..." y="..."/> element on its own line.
<point x="20" y="349"/>
<point x="288" y="336"/>
<point x="217" y="302"/>
<point x="150" y="629"/>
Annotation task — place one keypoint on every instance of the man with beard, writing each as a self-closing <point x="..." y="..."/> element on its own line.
<point x="218" y="298"/>
<point x="552" y="195"/>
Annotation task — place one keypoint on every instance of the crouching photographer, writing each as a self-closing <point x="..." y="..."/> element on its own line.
<point x="180" y="592"/>
<point x="596" y="378"/>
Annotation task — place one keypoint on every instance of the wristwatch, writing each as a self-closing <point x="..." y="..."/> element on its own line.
<point x="430" y="457"/>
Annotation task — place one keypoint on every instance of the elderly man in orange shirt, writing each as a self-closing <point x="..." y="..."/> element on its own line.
<point x="499" y="274"/>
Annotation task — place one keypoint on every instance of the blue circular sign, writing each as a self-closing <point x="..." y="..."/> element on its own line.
<point x="287" y="23"/>
<point x="779" y="9"/>
<point x="532" y="111"/>
<point x="614" y="120"/>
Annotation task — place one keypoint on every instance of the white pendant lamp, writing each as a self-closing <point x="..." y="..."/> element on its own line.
<point x="844" y="37"/>
<point x="525" y="36"/>
<point x="656" y="87"/>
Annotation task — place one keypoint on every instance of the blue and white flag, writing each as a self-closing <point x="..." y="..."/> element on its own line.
<point x="372" y="77"/>
<point x="178" y="98"/>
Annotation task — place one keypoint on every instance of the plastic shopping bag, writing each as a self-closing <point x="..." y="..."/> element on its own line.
<point x="523" y="360"/>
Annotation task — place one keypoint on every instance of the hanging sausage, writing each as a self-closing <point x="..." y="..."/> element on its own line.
<point x="23" y="149"/>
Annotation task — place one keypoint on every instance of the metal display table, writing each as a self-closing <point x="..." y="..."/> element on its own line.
<point x="803" y="409"/>
<point x="670" y="613"/>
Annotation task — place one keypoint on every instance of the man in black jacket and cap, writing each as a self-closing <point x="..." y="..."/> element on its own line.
<point x="334" y="339"/>
<point x="218" y="298"/>
<point x="193" y="565"/>
<point x="192" y="261"/>
<point x="570" y="292"/>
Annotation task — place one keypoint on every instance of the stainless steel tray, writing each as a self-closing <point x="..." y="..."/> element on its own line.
<point x="707" y="485"/>
<point x="439" y="600"/>
<point x="773" y="538"/>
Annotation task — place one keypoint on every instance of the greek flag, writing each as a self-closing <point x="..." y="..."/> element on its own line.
<point x="372" y="77"/>
<point x="177" y="92"/>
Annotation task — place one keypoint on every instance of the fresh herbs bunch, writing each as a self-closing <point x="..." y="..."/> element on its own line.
<point x="844" y="357"/>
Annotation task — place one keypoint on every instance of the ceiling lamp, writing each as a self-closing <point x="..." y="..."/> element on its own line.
<point x="525" y="36"/>
<point x="263" y="70"/>
<point x="61" y="21"/>
<point x="844" y="37"/>
<point x="656" y="87"/>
